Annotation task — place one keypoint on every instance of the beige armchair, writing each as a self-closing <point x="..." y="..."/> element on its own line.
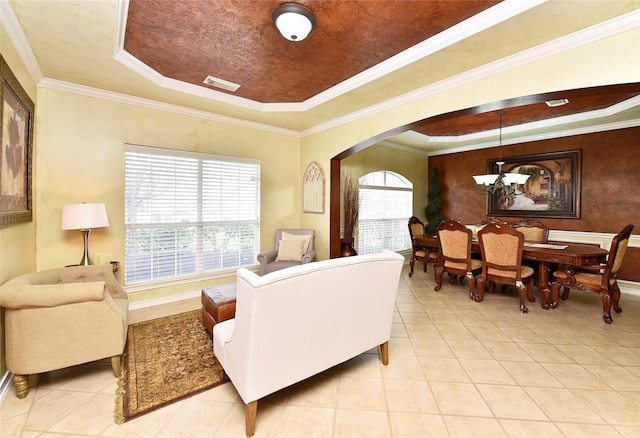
<point x="293" y="247"/>
<point x="62" y="317"/>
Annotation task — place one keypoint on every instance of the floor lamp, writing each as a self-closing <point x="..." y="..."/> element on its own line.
<point x="84" y="217"/>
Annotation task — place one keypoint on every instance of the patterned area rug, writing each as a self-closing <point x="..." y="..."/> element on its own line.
<point x="165" y="360"/>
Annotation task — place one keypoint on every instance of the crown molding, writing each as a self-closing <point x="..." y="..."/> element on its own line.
<point x="599" y="31"/>
<point x="98" y="93"/>
<point x="11" y="25"/>
<point x="482" y="21"/>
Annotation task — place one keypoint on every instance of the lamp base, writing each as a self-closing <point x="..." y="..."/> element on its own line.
<point x="86" y="260"/>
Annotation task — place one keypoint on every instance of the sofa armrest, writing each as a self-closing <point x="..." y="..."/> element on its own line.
<point x="267" y="257"/>
<point x="308" y="257"/>
<point x="22" y="296"/>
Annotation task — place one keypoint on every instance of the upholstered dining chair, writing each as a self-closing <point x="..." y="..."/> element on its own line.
<point x="501" y="247"/>
<point x="601" y="279"/>
<point x="454" y="254"/>
<point x="293" y="247"/>
<point x="419" y="252"/>
<point x="534" y="232"/>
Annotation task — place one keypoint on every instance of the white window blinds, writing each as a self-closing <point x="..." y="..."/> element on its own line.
<point x="386" y="204"/>
<point x="188" y="213"/>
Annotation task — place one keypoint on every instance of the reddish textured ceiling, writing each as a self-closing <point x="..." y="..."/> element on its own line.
<point x="525" y="110"/>
<point x="235" y="40"/>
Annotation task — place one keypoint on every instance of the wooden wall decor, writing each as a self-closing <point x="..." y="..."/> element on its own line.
<point x="313" y="189"/>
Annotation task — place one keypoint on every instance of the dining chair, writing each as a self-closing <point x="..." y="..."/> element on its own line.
<point x="601" y="279"/>
<point x="419" y="252"/>
<point x="534" y="232"/>
<point x="454" y="254"/>
<point x="501" y="247"/>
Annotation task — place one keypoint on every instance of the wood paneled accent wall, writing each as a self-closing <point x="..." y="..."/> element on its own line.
<point x="610" y="194"/>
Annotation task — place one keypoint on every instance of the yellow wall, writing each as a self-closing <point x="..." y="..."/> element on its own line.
<point x="17" y="242"/>
<point x="412" y="166"/>
<point x="563" y="71"/>
<point x="81" y="144"/>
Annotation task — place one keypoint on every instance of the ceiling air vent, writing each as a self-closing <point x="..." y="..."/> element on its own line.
<point x="557" y="102"/>
<point x="221" y="83"/>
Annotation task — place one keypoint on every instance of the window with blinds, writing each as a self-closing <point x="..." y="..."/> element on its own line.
<point x="188" y="213"/>
<point x="386" y="204"/>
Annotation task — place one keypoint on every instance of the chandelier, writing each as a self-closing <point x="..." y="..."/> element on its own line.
<point x="492" y="183"/>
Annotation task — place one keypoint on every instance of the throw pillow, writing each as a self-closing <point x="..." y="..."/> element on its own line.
<point x="290" y="250"/>
<point x="288" y="236"/>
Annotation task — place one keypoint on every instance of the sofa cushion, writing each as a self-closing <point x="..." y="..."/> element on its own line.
<point x="290" y="250"/>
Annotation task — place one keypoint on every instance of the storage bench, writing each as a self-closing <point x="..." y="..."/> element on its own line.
<point x="218" y="304"/>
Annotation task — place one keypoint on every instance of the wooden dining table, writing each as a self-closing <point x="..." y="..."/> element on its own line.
<point x="566" y="255"/>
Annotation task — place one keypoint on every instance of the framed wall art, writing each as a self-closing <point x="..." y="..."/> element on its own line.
<point x="552" y="190"/>
<point x="16" y="128"/>
<point x="313" y="189"/>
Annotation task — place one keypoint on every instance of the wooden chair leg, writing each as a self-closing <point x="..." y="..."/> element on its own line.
<point x="615" y="297"/>
<point x="412" y="262"/>
<point x="606" y="307"/>
<point x="384" y="353"/>
<point x="251" y="410"/>
<point x="115" y="365"/>
<point x="21" y="383"/>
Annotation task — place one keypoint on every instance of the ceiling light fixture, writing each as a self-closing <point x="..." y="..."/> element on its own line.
<point x="493" y="183"/>
<point x="293" y="21"/>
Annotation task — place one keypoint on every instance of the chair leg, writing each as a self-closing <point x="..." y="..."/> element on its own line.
<point x="439" y="271"/>
<point x="21" y="382"/>
<point x="606" y="307"/>
<point x="472" y="283"/>
<point x="615" y="296"/>
<point x="412" y="262"/>
<point x="251" y="410"/>
<point x="522" y="291"/>
<point x="565" y="293"/>
<point x="115" y="365"/>
<point x="384" y="353"/>
<point x="480" y="296"/>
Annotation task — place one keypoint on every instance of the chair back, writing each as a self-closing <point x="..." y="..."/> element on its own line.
<point x="416" y="228"/>
<point x="454" y="241"/>
<point x="303" y="233"/>
<point x="534" y="231"/>
<point x="501" y="247"/>
<point x="616" y="252"/>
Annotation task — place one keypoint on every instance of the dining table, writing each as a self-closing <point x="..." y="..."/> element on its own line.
<point x="566" y="255"/>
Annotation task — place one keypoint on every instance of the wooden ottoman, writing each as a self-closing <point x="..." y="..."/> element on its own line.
<point x="218" y="304"/>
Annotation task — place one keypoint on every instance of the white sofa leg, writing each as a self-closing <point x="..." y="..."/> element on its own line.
<point x="250" y="411"/>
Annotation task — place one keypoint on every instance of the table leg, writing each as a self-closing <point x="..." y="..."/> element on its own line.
<point x="543" y="285"/>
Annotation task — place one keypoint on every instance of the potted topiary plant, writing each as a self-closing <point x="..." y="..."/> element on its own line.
<point x="351" y="208"/>
<point x="432" y="211"/>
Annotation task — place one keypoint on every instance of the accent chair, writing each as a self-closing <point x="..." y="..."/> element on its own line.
<point x="293" y="247"/>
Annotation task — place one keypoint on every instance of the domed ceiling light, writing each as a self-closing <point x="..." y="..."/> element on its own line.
<point x="293" y="21"/>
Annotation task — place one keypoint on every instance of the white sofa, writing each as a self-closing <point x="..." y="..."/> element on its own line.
<point x="294" y="323"/>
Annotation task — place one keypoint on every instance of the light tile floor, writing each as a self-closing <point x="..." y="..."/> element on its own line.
<point x="457" y="369"/>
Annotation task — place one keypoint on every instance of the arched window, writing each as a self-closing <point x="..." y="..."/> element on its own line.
<point x="386" y="204"/>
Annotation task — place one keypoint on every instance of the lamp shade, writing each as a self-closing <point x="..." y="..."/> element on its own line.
<point x="293" y="21"/>
<point x="84" y="216"/>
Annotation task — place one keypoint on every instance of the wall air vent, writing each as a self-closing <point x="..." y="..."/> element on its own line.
<point x="221" y="83"/>
<point x="557" y="102"/>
